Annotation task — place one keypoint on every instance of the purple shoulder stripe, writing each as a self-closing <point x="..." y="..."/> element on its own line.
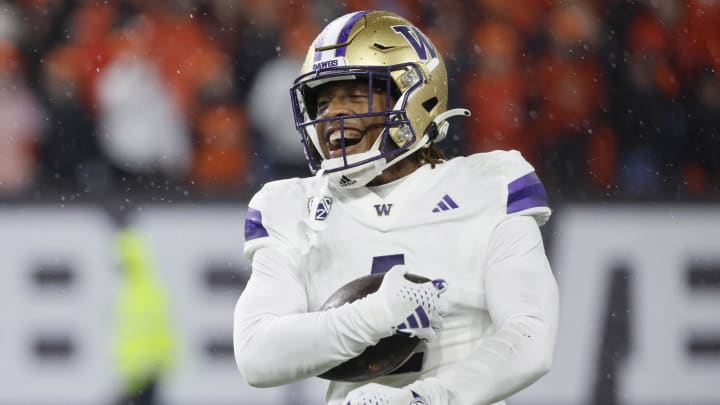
<point x="526" y="192"/>
<point x="253" y="225"/>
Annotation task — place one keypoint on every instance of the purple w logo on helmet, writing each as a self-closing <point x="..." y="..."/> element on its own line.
<point x="417" y="40"/>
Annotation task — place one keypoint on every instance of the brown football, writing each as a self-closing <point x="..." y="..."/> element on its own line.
<point x="384" y="357"/>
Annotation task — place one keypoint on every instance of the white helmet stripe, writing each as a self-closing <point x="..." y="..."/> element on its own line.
<point x="331" y="34"/>
<point x="345" y="33"/>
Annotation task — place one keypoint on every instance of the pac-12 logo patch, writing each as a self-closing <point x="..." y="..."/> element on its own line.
<point x="323" y="208"/>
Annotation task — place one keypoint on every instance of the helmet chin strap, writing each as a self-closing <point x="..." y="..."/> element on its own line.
<point x="310" y="226"/>
<point x="360" y="176"/>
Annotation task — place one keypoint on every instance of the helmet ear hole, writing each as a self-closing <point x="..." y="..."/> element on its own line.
<point x="429" y="104"/>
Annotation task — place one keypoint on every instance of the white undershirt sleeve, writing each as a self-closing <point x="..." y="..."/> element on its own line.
<point x="276" y="341"/>
<point x="522" y="300"/>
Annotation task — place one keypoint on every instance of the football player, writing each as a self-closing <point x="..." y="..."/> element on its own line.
<point x="370" y="105"/>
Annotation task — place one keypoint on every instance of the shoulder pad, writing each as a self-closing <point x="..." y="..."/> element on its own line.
<point x="525" y="192"/>
<point x="273" y="214"/>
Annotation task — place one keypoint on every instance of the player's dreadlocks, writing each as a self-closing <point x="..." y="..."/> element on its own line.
<point x="431" y="154"/>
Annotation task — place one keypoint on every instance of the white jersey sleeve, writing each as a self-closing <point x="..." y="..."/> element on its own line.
<point x="522" y="300"/>
<point x="276" y="340"/>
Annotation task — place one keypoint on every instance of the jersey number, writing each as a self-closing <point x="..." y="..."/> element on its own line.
<point x="382" y="264"/>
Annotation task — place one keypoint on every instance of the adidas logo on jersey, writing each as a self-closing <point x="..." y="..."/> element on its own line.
<point x="445" y="204"/>
<point x="346" y="181"/>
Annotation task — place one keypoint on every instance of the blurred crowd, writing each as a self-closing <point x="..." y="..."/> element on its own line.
<point x="609" y="99"/>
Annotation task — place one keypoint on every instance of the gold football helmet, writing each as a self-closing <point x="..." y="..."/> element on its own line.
<point x="393" y="55"/>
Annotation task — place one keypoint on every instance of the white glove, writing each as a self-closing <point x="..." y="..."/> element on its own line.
<point x="378" y="394"/>
<point x="415" y="308"/>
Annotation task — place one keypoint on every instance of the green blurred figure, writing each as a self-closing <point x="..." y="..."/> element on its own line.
<point x="144" y="345"/>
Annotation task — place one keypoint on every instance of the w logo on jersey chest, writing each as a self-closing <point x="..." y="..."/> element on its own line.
<point x="383" y="210"/>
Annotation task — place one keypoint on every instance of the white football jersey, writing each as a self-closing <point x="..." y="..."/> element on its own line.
<point x="435" y="221"/>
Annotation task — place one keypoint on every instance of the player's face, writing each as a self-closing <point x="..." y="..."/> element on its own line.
<point x="344" y="98"/>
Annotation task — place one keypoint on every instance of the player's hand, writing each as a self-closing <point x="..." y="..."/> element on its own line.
<point x="416" y="309"/>
<point x="377" y="394"/>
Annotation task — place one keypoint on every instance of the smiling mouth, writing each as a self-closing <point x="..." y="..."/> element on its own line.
<point x="335" y="141"/>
